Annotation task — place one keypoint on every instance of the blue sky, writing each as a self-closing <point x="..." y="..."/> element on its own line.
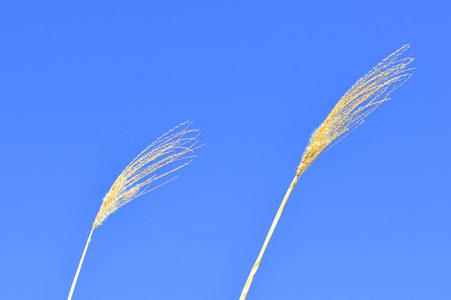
<point x="86" y="86"/>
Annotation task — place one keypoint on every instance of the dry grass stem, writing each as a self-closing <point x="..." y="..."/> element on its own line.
<point x="355" y="105"/>
<point x="166" y="155"/>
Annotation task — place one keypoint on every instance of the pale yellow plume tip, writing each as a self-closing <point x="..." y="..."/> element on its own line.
<point x="174" y="146"/>
<point x="166" y="155"/>
<point x="355" y="105"/>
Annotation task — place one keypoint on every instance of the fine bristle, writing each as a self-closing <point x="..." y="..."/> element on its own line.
<point x="136" y="179"/>
<point x="356" y="104"/>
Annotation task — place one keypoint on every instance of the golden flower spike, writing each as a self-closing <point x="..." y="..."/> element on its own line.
<point x="357" y="103"/>
<point x="174" y="146"/>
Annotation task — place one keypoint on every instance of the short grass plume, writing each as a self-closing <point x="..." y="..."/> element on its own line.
<point x="166" y="155"/>
<point x="356" y="104"/>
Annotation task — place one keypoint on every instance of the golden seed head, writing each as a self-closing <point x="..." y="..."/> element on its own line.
<point x="174" y="146"/>
<point x="357" y="103"/>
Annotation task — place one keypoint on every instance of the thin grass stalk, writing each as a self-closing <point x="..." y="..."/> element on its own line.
<point x="268" y="237"/>
<point x="349" y="113"/>
<point x="136" y="179"/>
<point x="74" y="282"/>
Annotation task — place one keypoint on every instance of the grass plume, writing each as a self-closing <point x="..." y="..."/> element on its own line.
<point x="166" y="155"/>
<point x="349" y="113"/>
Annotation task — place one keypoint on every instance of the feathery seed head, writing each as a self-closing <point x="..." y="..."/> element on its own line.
<point x="357" y="103"/>
<point x="136" y="179"/>
<point x="174" y="146"/>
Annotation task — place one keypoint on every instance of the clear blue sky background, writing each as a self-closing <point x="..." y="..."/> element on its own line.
<point x="86" y="86"/>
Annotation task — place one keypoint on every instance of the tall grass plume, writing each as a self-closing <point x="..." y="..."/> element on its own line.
<point x="356" y="104"/>
<point x="166" y="155"/>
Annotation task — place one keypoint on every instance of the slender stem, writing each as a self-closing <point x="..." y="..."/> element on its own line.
<point x="268" y="237"/>
<point x="79" y="267"/>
